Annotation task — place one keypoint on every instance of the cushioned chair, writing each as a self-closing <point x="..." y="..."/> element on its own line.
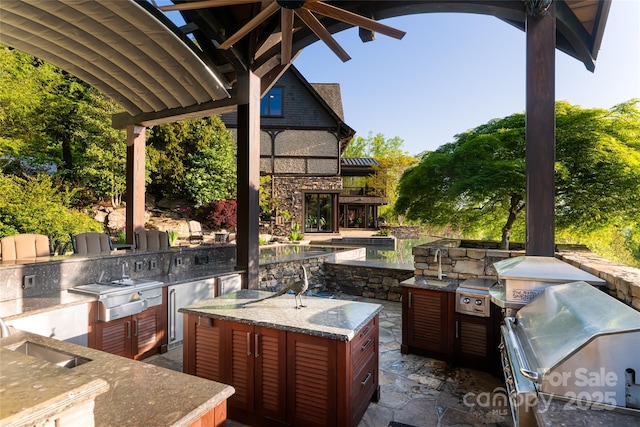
<point x="91" y="243"/>
<point x="24" y="246"/>
<point x="152" y="240"/>
<point x="195" y="231"/>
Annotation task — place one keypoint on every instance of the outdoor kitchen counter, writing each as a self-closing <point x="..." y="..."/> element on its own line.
<point x="421" y="282"/>
<point x="31" y="305"/>
<point x="325" y="317"/>
<point x="139" y="394"/>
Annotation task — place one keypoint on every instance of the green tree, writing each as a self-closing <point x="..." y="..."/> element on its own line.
<point x="375" y="146"/>
<point x="477" y="182"/>
<point x="392" y="162"/>
<point x="193" y="159"/>
<point x="38" y="205"/>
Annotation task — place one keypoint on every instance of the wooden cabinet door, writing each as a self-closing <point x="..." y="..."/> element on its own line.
<point x="311" y="380"/>
<point x="473" y="341"/>
<point x="204" y="351"/>
<point x="270" y="351"/>
<point x="239" y="361"/>
<point x="429" y="322"/>
<point x="148" y="332"/>
<point x="115" y="336"/>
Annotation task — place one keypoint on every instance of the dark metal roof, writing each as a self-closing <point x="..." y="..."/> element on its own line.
<point x="362" y="161"/>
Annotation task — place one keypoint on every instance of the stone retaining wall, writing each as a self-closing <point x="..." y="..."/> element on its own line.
<point x="464" y="259"/>
<point x="365" y="280"/>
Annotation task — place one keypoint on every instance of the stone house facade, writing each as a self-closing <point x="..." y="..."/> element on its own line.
<point x="303" y="135"/>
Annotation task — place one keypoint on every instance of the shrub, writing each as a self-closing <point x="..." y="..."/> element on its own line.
<point x="295" y="234"/>
<point x="219" y="214"/>
<point x="37" y="205"/>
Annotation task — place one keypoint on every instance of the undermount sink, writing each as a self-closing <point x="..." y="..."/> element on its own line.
<point x="431" y="282"/>
<point x="60" y="358"/>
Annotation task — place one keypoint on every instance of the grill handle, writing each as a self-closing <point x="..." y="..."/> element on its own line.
<point x="522" y="360"/>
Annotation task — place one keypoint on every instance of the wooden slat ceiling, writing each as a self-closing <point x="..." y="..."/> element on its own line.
<point x="132" y="52"/>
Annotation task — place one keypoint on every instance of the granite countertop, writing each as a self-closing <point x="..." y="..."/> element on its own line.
<point x="325" y="317"/>
<point x="139" y="394"/>
<point x="32" y="390"/>
<point x="420" y="282"/>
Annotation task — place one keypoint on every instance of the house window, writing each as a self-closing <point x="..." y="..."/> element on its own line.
<point x="318" y="215"/>
<point x="271" y="103"/>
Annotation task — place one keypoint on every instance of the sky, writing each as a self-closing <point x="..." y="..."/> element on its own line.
<point x="453" y="72"/>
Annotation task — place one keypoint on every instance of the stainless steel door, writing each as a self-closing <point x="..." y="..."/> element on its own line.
<point x="183" y="295"/>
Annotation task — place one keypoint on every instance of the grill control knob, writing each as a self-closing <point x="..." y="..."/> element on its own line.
<point x="466" y="300"/>
<point x="478" y="302"/>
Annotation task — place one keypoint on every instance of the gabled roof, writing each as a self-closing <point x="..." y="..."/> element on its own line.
<point x="330" y="92"/>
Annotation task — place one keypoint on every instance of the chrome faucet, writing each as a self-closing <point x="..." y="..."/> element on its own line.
<point x="438" y="258"/>
<point x="125" y="267"/>
<point x="4" y="329"/>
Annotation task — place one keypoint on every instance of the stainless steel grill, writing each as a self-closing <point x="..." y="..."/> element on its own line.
<point x="573" y="342"/>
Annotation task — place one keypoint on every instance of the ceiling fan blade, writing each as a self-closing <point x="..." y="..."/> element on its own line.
<point x="324" y="35"/>
<point x="203" y="4"/>
<point x="249" y="26"/>
<point x="287" y="36"/>
<point x="354" y="19"/>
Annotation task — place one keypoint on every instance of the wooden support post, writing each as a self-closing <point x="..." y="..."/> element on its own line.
<point x="248" y="140"/>
<point x="135" y="180"/>
<point x="540" y="133"/>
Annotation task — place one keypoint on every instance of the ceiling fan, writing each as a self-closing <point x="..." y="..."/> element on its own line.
<point x="303" y="9"/>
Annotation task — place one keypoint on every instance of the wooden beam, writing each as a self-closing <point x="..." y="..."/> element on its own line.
<point x="135" y="180"/>
<point x="540" y="133"/>
<point x="248" y="162"/>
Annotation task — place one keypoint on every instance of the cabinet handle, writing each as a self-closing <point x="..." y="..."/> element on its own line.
<point x="128" y="329"/>
<point x="256" y="345"/>
<point x="366" y="379"/>
<point x="248" y="343"/>
<point x="457" y="329"/>
<point x="365" y="332"/>
<point x="367" y="344"/>
<point x="172" y="315"/>
<point x="135" y="328"/>
<point x="410" y="294"/>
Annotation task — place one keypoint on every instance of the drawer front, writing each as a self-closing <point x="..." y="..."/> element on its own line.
<point x="365" y="343"/>
<point x="365" y="381"/>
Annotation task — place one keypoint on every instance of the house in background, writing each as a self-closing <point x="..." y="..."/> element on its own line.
<point x="359" y="203"/>
<point x="303" y="135"/>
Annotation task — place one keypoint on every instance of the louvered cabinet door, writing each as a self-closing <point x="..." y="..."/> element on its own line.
<point x="311" y="380"/>
<point x="203" y="348"/>
<point x="474" y="343"/>
<point x="115" y="336"/>
<point x="240" y="362"/>
<point x="428" y="322"/>
<point x="270" y="351"/>
<point x="147" y="332"/>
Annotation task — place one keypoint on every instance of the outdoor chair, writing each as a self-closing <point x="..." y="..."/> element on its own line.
<point x="195" y="231"/>
<point x="152" y="240"/>
<point x="24" y="246"/>
<point x="91" y="243"/>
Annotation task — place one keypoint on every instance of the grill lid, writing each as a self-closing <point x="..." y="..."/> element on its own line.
<point x="543" y="269"/>
<point x="563" y="319"/>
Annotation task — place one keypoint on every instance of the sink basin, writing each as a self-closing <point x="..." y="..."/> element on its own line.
<point x="57" y="357"/>
<point x="431" y="282"/>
